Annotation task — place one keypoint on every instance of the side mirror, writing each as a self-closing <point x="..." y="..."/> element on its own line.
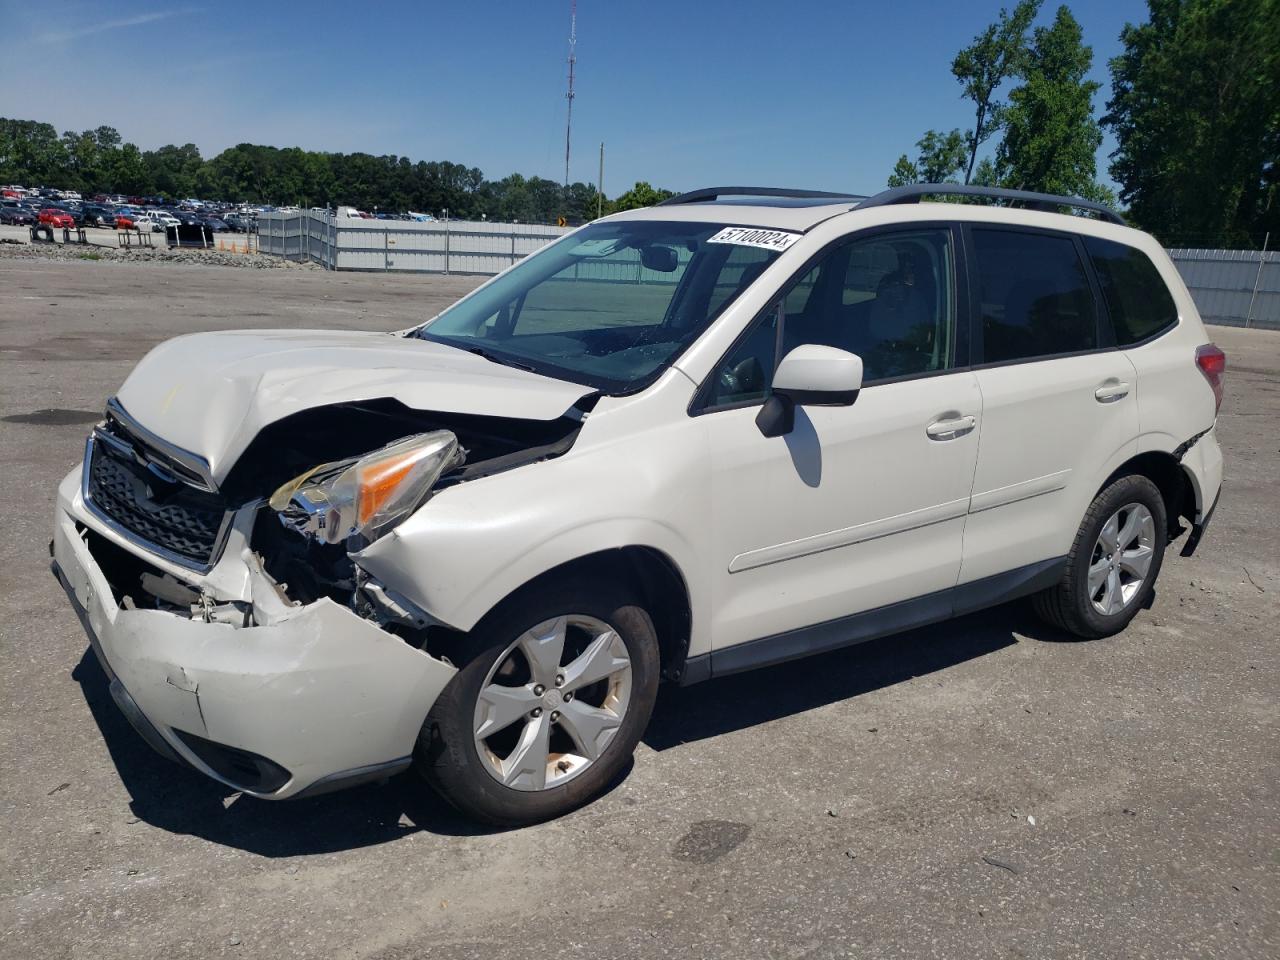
<point x="810" y="375"/>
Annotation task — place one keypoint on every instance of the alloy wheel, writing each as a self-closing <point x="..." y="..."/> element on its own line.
<point x="552" y="702"/>
<point x="1121" y="558"/>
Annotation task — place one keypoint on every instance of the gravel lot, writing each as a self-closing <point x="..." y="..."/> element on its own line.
<point x="228" y="250"/>
<point x="976" y="789"/>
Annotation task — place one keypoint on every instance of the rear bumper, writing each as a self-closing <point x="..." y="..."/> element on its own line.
<point x="311" y="699"/>
<point x="1203" y="463"/>
<point x="1201" y="525"/>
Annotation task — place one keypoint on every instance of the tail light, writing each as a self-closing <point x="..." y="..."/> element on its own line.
<point x="1213" y="364"/>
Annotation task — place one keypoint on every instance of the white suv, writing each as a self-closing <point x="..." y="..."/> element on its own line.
<point x="738" y="428"/>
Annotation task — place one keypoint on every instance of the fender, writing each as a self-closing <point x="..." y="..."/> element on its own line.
<point x="475" y="543"/>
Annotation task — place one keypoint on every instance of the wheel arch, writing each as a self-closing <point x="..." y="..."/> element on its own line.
<point x="657" y="578"/>
<point x="1175" y="482"/>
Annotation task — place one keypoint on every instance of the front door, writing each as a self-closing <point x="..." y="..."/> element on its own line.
<point x="859" y="507"/>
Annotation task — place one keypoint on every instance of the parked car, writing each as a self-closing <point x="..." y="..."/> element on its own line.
<point x="216" y="225"/>
<point x="16" y="215"/>
<point x="99" y="216"/>
<point x="73" y="210"/>
<point x="239" y="223"/>
<point x="164" y="219"/>
<point x="56" y="217"/>
<point x="314" y="558"/>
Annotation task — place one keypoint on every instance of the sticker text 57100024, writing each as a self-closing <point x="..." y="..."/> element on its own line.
<point x="756" y="237"/>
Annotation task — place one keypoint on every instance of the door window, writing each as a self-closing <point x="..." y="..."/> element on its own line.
<point x="1138" y="301"/>
<point x="889" y="298"/>
<point x="1035" y="296"/>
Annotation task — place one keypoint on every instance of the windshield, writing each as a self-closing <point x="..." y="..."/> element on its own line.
<point x="611" y="305"/>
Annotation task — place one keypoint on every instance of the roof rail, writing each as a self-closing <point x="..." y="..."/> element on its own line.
<point x="713" y="193"/>
<point x="915" y="192"/>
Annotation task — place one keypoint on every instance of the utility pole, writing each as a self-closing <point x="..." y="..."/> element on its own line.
<point x="600" y="185"/>
<point x="573" y="59"/>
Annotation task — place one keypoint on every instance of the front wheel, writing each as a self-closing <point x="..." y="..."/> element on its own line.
<point x="554" y="693"/>
<point x="1113" y="563"/>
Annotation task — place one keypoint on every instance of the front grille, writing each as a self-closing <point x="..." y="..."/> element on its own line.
<point x="160" y="510"/>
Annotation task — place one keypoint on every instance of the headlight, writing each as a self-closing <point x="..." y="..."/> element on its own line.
<point x="362" y="498"/>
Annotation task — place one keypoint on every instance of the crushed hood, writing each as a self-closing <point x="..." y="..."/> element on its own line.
<point x="211" y="393"/>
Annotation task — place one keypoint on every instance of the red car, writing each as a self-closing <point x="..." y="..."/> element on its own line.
<point x="56" y="218"/>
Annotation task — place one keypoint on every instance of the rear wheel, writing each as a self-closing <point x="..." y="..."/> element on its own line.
<point x="1113" y="563"/>
<point x="554" y="692"/>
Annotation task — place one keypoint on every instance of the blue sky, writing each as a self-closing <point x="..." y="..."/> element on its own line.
<point x="683" y="94"/>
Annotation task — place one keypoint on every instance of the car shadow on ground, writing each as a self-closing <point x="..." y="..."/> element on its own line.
<point x="174" y="798"/>
<point x="687" y="714"/>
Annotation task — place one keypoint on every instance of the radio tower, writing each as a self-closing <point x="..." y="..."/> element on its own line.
<point x="573" y="59"/>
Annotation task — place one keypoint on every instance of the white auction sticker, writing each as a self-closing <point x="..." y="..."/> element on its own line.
<point x="756" y="237"/>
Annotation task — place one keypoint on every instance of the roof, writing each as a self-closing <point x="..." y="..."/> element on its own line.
<point x="801" y="210"/>
<point x="773" y="216"/>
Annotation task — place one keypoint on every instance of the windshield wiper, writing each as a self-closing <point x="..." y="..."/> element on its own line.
<point x="494" y="358"/>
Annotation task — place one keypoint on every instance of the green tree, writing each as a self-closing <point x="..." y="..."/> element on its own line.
<point x="128" y="172"/>
<point x="31" y="153"/>
<point x="1051" y="138"/>
<point x="1195" y="109"/>
<point x="641" y="195"/>
<point x="941" y="156"/>
<point x="172" y="170"/>
<point x="997" y="54"/>
<point x="904" y="172"/>
<point x="985" y="175"/>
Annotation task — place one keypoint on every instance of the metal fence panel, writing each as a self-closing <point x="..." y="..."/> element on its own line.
<point x="1233" y="287"/>
<point x="398" y="245"/>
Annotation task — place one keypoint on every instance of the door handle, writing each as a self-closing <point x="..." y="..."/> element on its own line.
<point x="950" y="429"/>
<point x="1111" y="392"/>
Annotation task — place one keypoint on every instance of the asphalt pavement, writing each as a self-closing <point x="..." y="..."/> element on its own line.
<point x="982" y="788"/>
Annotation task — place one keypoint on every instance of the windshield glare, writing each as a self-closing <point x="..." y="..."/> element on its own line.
<point x="609" y="306"/>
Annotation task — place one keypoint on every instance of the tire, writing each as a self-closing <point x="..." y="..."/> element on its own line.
<point x="1111" y="604"/>
<point x="469" y="772"/>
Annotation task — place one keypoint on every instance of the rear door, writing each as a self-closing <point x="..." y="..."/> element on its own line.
<point x="1058" y="399"/>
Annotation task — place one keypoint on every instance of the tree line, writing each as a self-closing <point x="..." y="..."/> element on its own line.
<point x="98" y="161"/>
<point x="1194" y="107"/>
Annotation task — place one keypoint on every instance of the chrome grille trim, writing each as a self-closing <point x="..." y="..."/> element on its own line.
<point x="144" y="544"/>
<point x="190" y="467"/>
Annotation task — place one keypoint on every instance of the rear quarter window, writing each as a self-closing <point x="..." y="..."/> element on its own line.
<point x="1136" y="295"/>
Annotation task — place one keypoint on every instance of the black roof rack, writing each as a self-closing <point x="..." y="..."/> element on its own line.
<point x="915" y="192"/>
<point x="714" y="193"/>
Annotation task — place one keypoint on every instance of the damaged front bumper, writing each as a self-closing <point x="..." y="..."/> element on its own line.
<point x="310" y="698"/>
